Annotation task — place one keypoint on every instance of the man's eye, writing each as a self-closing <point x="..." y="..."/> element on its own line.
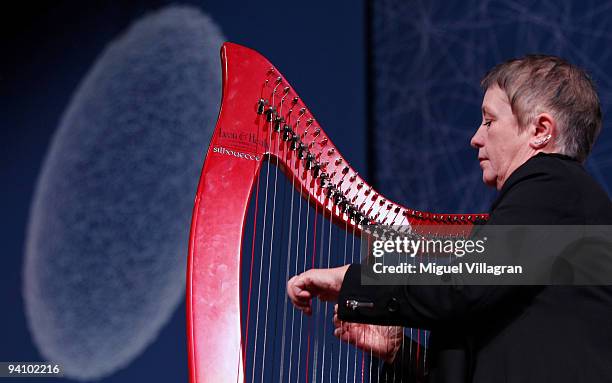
<point x="487" y="123"/>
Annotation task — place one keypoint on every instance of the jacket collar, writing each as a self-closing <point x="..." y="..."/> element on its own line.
<point x="524" y="171"/>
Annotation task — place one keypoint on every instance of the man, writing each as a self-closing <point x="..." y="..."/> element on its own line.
<point x="540" y="118"/>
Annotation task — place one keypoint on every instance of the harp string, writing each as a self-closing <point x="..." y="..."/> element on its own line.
<point x="325" y="315"/>
<point x="316" y="345"/>
<point x="297" y="253"/>
<point x="301" y="327"/>
<point x="271" y="239"/>
<point x="289" y="248"/>
<point x="261" y="256"/>
<point x="248" y="316"/>
<point x="315" y="371"/>
<point x="314" y="253"/>
<point x="356" y="351"/>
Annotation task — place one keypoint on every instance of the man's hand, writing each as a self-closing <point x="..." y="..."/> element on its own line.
<point x="382" y="341"/>
<point x="322" y="283"/>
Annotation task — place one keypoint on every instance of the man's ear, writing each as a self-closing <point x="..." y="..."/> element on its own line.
<point x="543" y="131"/>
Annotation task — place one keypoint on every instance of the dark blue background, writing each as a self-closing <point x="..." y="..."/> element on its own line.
<point x="427" y="59"/>
<point x="47" y="49"/>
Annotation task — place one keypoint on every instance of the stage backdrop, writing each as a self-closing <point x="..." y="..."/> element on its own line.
<point x="426" y="59"/>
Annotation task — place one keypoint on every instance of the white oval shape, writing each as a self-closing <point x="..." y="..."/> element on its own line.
<point x="109" y="223"/>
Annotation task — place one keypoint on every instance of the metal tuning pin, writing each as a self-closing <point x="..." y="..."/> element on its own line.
<point x="342" y="204"/>
<point x="331" y="191"/>
<point x="330" y="151"/>
<point x="356" y="215"/>
<point x="302" y="111"/>
<point x="261" y="106"/>
<point x="309" y="162"/>
<point x="295" y="142"/>
<point x="345" y="170"/>
<point x="353" y="177"/>
<point x="316" y="169"/>
<point x="309" y="121"/>
<point x="286" y="90"/>
<point x="338" y="197"/>
<point x="365" y="220"/>
<point x="287" y="132"/>
<point x="271" y="113"/>
<point x="278" y="121"/>
<point x="302" y="150"/>
<point x="278" y="80"/>
<point x="316" y="132"/>
<point x="338" y="161"/>
<point x="323" y="179"/>
<point x="294" y="100"/>
<point x="350" y="212"/>
<point x="360" y="185"/>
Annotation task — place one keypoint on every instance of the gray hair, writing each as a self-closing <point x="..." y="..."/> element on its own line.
<point x="536" y="83"/>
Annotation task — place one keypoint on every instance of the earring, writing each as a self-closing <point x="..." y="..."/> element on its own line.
<point x="542" y="140"/>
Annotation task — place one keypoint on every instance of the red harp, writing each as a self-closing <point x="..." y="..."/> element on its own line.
<point x="263" y="126"/>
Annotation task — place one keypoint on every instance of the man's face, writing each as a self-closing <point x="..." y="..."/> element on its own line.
<point x="500" y="146"/>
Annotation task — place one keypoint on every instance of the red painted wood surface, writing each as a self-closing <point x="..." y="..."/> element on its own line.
<point x="241" y="141"/>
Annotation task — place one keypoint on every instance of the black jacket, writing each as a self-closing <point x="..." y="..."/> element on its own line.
<point x="510" y="333"/>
